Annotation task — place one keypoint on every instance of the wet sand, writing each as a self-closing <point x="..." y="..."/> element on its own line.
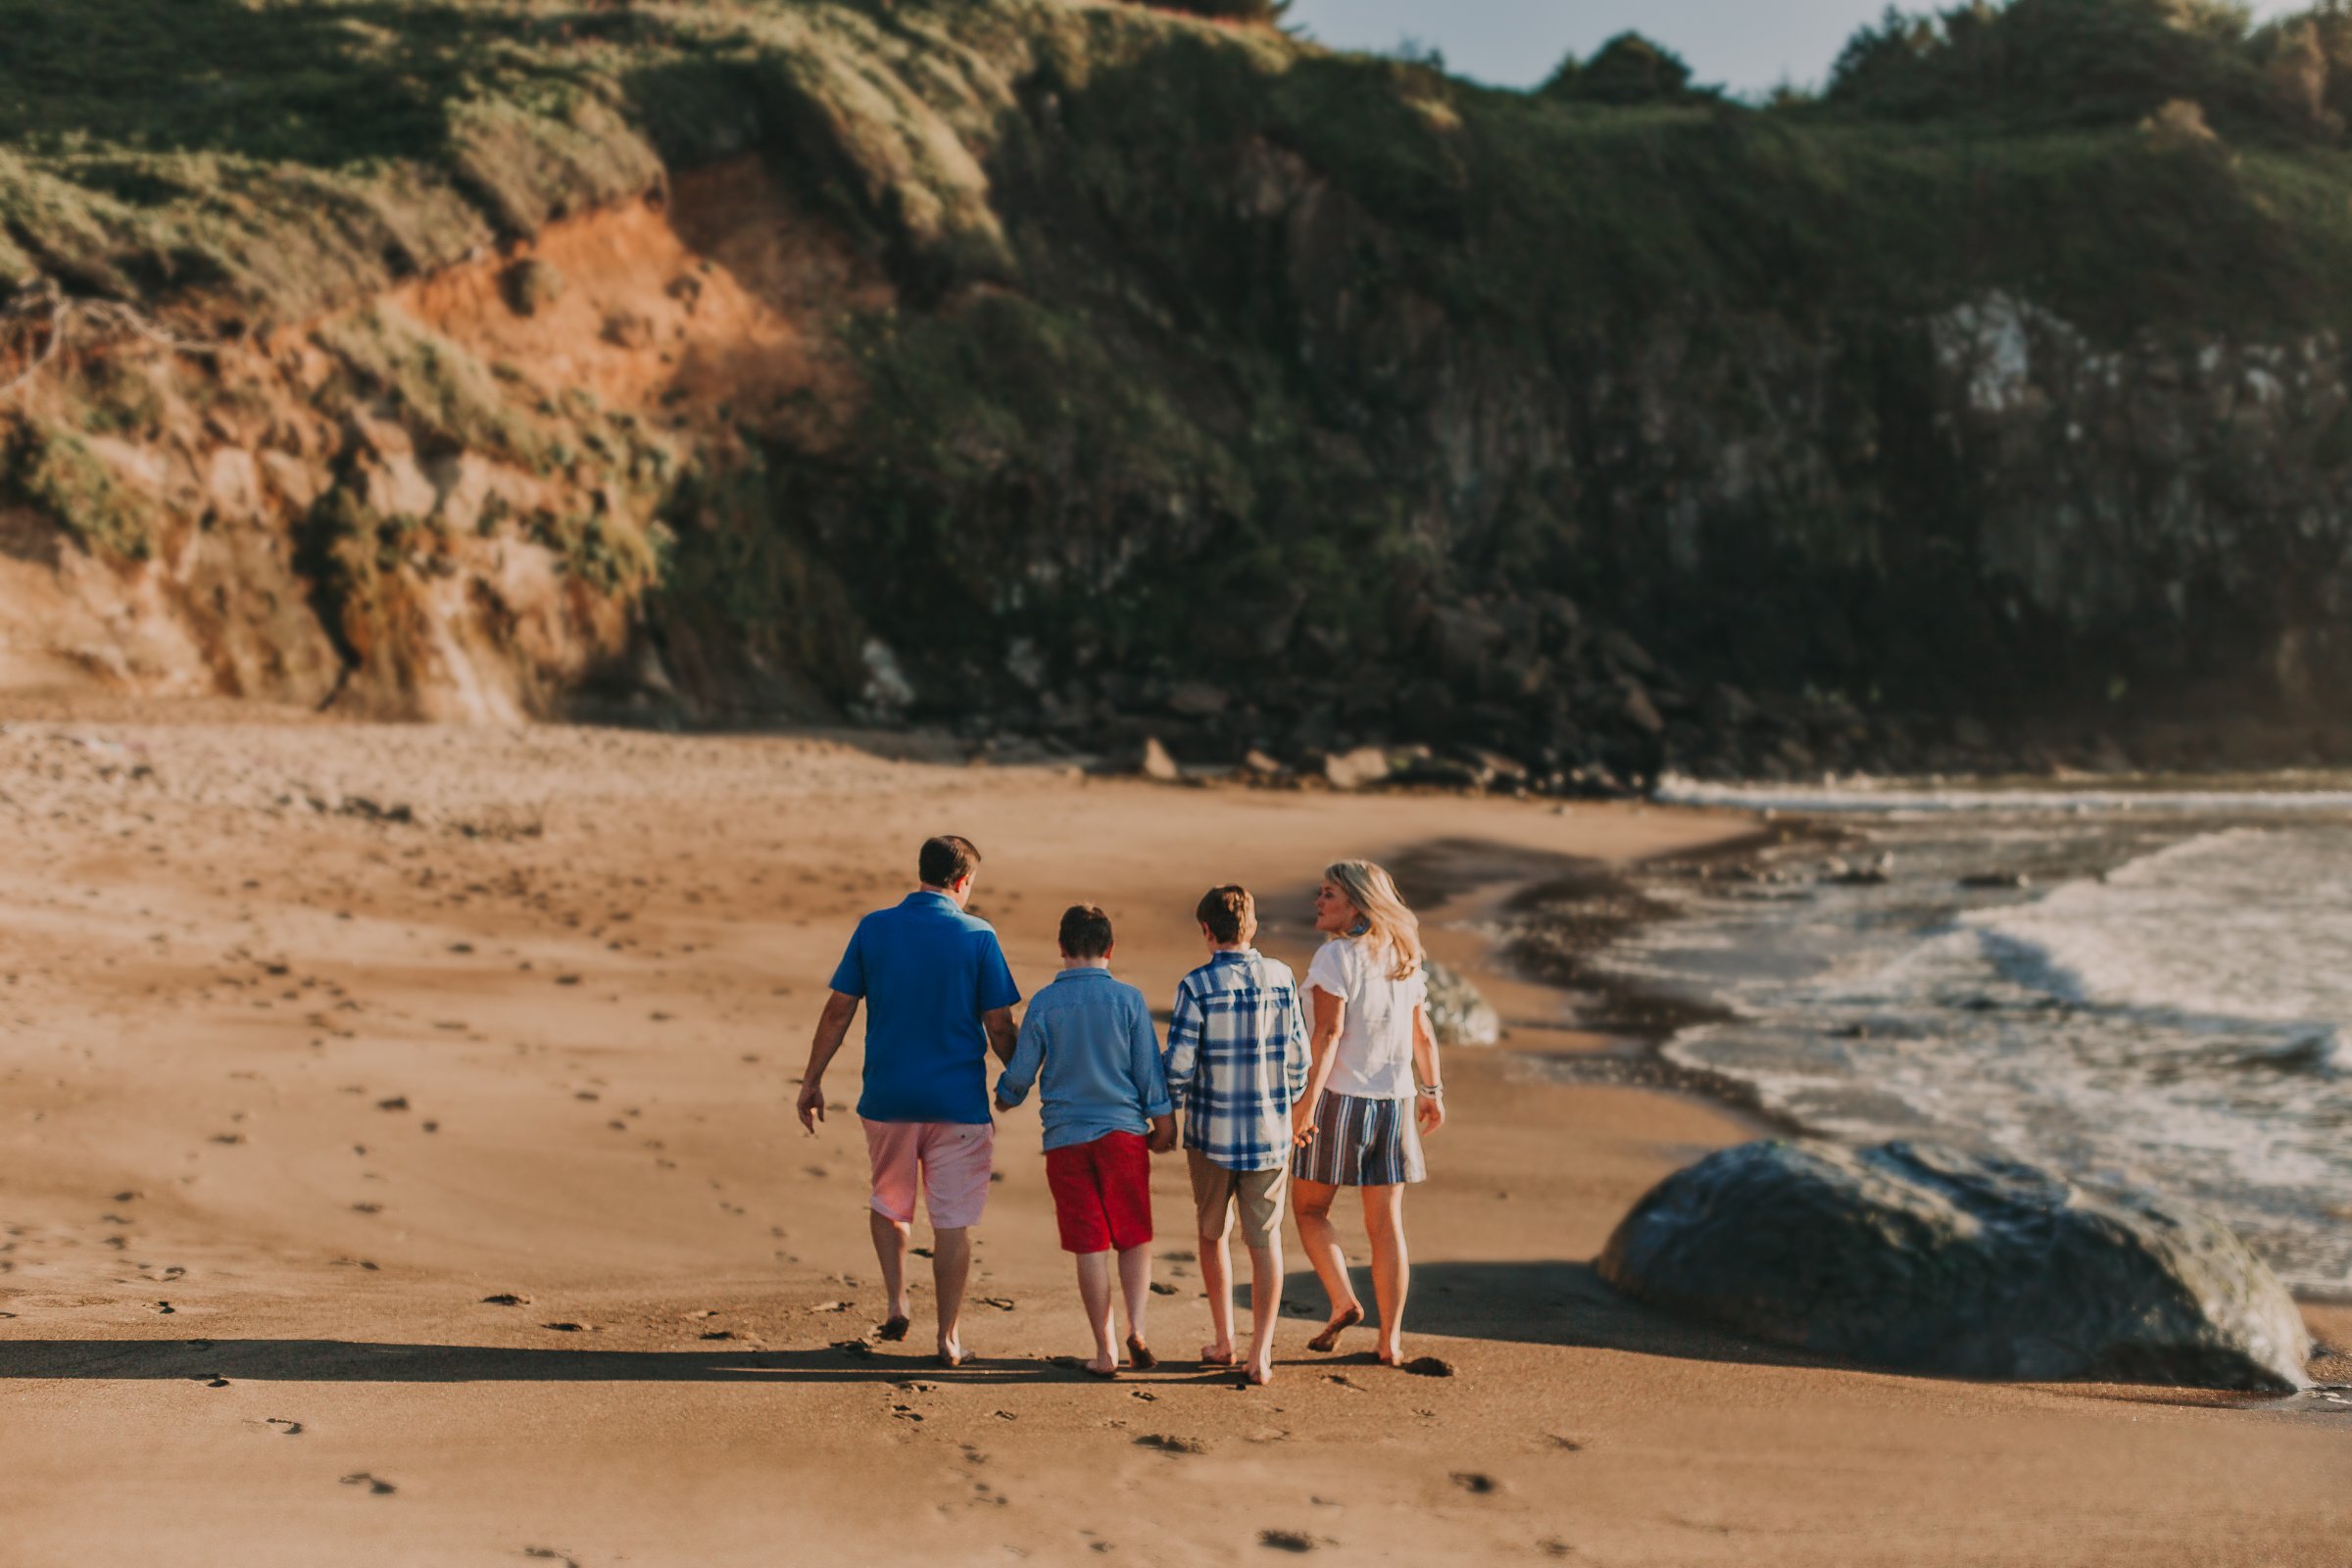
<point x="397" y="1166"/>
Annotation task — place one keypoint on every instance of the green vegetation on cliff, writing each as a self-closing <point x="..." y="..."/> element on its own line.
<point x="1218" y="354"/>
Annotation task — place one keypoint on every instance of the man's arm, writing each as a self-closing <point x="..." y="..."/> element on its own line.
<point x="1003" y="1036"/>
<point x="832" y="1028"/>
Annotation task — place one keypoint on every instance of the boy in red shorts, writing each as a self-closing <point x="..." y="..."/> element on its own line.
<point x="1087" y="1044"/>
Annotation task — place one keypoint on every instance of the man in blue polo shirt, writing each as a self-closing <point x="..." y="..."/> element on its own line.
<point x="941" y="998"/>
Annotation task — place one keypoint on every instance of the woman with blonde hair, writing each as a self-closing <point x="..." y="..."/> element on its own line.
<point x="1371" y="1095"/>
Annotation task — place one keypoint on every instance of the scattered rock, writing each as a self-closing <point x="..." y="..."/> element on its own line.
<point x="530" y="286"/>
<point x="1354" y="769"/>
<point x="1641" y="711"/>
<point x="1932" y="1260"/>
<point x="626" y="329"/>
<point x="1457" y="1014"/>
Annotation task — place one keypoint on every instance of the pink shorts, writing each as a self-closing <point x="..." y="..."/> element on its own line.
<point x="955" y="1158"/>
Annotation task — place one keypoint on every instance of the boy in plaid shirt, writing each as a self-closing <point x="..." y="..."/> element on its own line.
<point x="1237" y="1065"/>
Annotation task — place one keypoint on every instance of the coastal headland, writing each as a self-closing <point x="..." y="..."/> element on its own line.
<point x="398" y="1167"/>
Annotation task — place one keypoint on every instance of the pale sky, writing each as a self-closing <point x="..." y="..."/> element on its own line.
<point x="1746" y="45"/>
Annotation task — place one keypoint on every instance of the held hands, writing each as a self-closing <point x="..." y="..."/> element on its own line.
<point x="812" y="1103"/>
<point x="1163" y="1135"/>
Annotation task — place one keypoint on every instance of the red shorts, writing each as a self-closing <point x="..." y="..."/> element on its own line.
<point x="1102" y="1193"/>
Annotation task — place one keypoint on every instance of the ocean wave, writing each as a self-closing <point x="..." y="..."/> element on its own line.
<point x="2316" y="795"/>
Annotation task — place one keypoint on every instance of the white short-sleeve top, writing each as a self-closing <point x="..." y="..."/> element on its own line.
<point x="1375" y="1051"/>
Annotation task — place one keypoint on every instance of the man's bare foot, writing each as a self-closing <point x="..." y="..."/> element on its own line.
<point x="1344" y="1319"/>
<point x="1261" y="1373"/>
<point x="952" y="1354"/>
<point x="1139" y="1355"/>
<point x="1101" y="1367"/>
<point x="1216" y="1356"/>
<point x="894" y="1330"/>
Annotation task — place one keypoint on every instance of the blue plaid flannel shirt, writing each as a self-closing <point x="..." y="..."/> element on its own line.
<point x="1238" y="1058"/>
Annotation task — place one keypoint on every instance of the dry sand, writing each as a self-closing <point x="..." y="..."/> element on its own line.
<point x="316" y="1039"/>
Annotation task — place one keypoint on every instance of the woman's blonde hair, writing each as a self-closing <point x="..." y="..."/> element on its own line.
<point x="1386" y="922"/>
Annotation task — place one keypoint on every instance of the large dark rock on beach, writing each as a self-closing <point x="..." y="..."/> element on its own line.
<point x="1931" y="1260"/>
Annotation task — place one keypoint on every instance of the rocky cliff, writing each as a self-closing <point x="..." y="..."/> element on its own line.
<point x="1081" y="372"/>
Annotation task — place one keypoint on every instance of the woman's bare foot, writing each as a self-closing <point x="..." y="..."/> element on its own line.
<point x="894" y="1330"/>
<point x="1261" y="1373"/>
<point x="1392" y="1353"/>
<point x="1139" y="1355"/>
<point x="1216" y="1356"/>
<point x="1346" y="1318"/>
<point x="1102" y="1366"/>
<point x="952" y="1354"/>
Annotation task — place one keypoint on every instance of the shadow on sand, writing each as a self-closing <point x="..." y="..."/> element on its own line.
<point x="1536" y="1303"/>
<point x="1525" y="1303"/>
<point x="361" y="1361"/>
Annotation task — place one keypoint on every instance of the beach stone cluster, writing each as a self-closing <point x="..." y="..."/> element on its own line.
<point x="1930" y="1260"/>
<point x="1459" y="1015"/>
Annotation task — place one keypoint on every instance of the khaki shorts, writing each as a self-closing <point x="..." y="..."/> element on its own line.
<point x="1260" y="1192"/>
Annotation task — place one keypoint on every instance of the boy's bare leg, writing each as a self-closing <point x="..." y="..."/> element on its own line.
<point x="890" y="1250"/>
<point x="1321" y="1239"/>
<point x="1391" y="1266"/>
<point x="1216" y="1278"/>
<point x="1135" y="1284"/>
<point x="950" y="1268"/>
<point x="1265" y="1306"/>
<point x="1094" y="1293"/>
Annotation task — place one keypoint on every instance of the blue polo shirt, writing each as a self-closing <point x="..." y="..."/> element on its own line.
<point x="926" y="971"/>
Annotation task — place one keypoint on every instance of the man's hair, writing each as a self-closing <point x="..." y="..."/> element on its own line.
<point x="1228" y="913"/>
<point x="947" y="860"/>
<point x="1085" y="932"/>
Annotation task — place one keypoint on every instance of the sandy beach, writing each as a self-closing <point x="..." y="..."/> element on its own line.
<point x="398" y="1167"/>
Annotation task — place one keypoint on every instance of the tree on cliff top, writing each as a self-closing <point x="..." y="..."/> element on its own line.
<point x="2096" y="62"/>
<point x="1627" y="70"/>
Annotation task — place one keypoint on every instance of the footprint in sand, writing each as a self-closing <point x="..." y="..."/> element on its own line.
<point x="375" y="1487"/>
<point x="506" y="1298"/>
<point x="286" y="1428"/>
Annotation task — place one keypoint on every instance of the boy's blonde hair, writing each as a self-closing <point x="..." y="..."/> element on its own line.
<point x="1386" y="922"/>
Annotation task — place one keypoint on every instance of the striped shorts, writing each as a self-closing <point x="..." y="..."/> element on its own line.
<point x="1361" y="1143"/>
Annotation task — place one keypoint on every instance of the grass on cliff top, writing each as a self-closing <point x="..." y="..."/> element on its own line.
<point x="280" y="155"/>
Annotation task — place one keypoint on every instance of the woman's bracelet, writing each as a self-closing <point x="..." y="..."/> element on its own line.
<point x="1434" y="1091"/>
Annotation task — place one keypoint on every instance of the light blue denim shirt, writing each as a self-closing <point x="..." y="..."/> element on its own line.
<point x="1090" y="1037"/>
